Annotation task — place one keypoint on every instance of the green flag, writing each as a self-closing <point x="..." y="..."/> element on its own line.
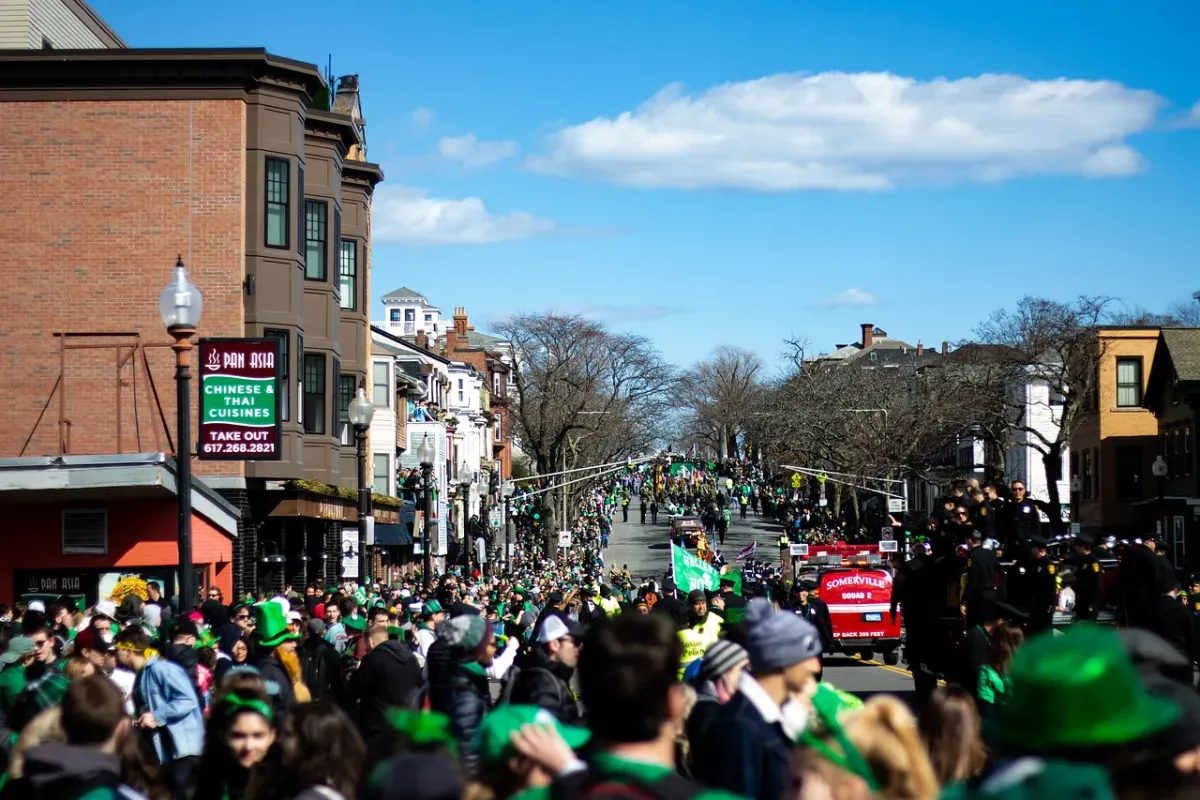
<point x="692" y="573"/>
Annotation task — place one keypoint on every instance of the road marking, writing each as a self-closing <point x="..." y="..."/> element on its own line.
<point x="896" y="670"/>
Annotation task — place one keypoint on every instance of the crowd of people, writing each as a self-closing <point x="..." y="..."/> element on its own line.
<point x="554" y="680"/>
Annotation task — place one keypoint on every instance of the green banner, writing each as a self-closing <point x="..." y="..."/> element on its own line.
<point x="734" y="575"/>
<point x="692" y="573"/>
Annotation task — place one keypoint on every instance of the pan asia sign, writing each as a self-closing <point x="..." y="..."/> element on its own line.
<point x="239" y="399"/>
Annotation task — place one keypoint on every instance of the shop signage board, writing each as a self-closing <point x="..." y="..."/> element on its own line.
<point x="239" y="400"/>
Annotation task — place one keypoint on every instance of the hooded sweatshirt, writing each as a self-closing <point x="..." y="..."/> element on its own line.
<point x="59" y="771"/>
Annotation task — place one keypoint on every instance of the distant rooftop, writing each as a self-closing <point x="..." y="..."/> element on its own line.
<point x="404" y="293"/>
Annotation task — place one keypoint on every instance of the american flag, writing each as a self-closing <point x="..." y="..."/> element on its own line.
<point x="747" y="551"/>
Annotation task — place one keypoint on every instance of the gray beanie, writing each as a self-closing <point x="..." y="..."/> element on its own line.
<point x="463" y="633"/>
<point x="776" y="640"/>
<point x="721" y="657"/>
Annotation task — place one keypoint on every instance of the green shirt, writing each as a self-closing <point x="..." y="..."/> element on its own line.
<point x="12" y="683"/>
<point x="992" y="686"/>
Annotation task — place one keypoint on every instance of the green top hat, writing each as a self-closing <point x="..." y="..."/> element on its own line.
<point x="271" y="625"/>
<point x="493" y="740"/>
<point x="355" y="623"/>
<point x="1077" y="691"/>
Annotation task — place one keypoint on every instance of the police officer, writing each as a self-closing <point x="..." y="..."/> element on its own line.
<point x="983" y="518"/>
<point x="1087" y="578"/>
<point x="979" y="593"/>
<point x="1042" y="577"/>
<point x="1023" y="521"/>
<point x="703" y="629"/>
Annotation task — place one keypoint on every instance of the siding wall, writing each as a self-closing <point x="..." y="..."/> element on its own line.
<point x="24" y="24"/>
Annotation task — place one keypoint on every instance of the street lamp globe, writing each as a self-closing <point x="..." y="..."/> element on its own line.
<point x="361" y="410"/>
<point x="1159" y="467"/>
<point x="507" y="489"/>
<point x="464" y="473"/>
<point x="180" y="303"/>
<point x="425" y="453"/>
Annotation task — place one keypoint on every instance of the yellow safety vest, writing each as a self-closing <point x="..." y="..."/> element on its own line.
<point x="699" y="638"/>
<point x="610" y="605"/>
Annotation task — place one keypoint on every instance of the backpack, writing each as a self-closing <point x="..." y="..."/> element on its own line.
<point x="586" y="784"/>
<point x="314" y="669"/>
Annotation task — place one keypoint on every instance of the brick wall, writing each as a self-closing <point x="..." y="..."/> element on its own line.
<point x="96" y="201"/>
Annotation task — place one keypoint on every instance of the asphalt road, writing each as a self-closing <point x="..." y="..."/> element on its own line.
<point x="645" y="549"/>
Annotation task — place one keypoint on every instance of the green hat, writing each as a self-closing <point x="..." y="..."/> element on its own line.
<point x="493" y="740"/>
<point x="207" y="640"/>
<point x="395" y="630"/>
<point x="355" y="623"/>
<point x="271" y="625"/>
<point x="432" y="607"/>
<point x="1078" y="690"/>
<point x="1033" y="779"/>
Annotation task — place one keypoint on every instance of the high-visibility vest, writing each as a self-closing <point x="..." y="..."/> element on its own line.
<point x="698" y="639"/>
<point x="610" y="605"/>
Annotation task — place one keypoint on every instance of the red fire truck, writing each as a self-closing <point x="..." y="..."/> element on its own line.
<point x="856" y="584"/>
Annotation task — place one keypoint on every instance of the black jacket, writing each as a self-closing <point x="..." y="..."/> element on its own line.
<point x="322" y="670"/>
<point x="387" y="677"/>
<point x="276" y="680"/>
<point x="816" y="611"/>
<point x="57" y="771"/>
<point x="754" y="761"/>
<point x="545" y="683"/>
<point x="465" y="698"/>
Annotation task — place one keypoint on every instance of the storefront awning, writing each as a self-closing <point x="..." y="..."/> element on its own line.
<point x="392" y="534"/>
<point x="86" y="477"/>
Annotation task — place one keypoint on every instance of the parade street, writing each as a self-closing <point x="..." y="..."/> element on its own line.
<point x="645" y="549"/>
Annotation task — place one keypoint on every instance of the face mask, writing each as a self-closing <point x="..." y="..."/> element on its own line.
<point x="793" y="716"/>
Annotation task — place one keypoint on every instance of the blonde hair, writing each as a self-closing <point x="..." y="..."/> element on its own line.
<point x="46" y="727"/>
<point x="885" y="734"/>
<point x="78" y="667"/>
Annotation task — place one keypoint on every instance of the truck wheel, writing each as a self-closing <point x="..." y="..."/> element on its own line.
<point x="891" y="658"/>
<point x="866" y="655"/>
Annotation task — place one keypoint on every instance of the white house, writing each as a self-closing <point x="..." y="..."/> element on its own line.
<point x="1041" y="406"/>
<point x="408" y="313"/>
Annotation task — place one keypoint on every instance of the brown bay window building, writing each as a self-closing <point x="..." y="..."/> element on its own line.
<point x="112" y="163"/>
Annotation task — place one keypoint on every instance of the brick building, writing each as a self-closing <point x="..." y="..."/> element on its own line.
<point x="112" y="163"/>
<point x="491" y="358"/>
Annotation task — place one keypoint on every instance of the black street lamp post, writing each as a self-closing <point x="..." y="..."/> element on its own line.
<point x="506" y="492"/>
<point x="360" y="413"/>
<point x="425" y="455"/>
<point x="181" y="306"/>
<point x="464" y="476"/>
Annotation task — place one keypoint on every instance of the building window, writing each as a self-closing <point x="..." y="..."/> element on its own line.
<point x="278" y="202"/>
<point x="314" y="393"/>
<point x="348" y="273"/>
<point x="461" y="393"/>
<point x="1129" y="382"/>
<point x="429" y="320"/>
<point x="316" y="229"/>
<point x="1129" y="472"/>
<point x="285" y="369"/>
<point x="499" y="429"/>
<point x="347" y="388"/>
<point x="84" y="531"/>
<point x="1085" y="474"/>
<point x="381" y="386"/>
<point x="1057" y="398"/>
<point x="495" y="383"/>
<point x="382" y="469"/>
<point x="410" y="315"/>
<point x="394" y="315"/>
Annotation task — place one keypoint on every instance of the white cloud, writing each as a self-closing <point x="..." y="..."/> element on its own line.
<point x="420" y="119"/>
<point x="471" y="152"/>
<point x="408" y="215"/>
<point x="851" y="297"/>
<point x="862" y="131"/>
<point x="1194" y="114"/>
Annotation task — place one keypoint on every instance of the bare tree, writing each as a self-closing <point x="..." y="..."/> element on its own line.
<point x="1180" y="314"/>
<point x="1056" y="342"/>
<point x="717" y="394"/>
<point x="582" y="392"/>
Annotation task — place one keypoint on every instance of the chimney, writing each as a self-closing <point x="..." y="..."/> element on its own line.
<point x="868" y="335"/>
<point x="945" y="348"/>
<point x="420" y="339"/>
<point x="460" y="320"/>
<point x="920" y="348"/>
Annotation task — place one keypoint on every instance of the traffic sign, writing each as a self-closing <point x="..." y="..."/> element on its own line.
<point x="897" y="504"/>
<point x="821" y="478"/>
<point x="886" y="534"/>
<point x="797" y="480"/>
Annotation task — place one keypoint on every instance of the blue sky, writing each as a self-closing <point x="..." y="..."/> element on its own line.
<point x="706" y="172"/>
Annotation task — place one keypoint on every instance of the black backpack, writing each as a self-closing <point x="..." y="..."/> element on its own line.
<point x="587" y="784"/>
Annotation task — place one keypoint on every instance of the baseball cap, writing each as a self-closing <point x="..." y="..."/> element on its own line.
<point x="105" y="608"/>
<point x="555" y="628"/>
<point x="91" y="639"/>
<point x="493" y="741"/>
<point x="18" y="648"/>
<point x="36" y="605"/>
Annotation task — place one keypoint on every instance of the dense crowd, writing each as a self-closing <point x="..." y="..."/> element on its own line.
<point x="557" y="680"/>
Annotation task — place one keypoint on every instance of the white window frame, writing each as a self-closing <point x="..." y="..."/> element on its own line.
<point x="462" y="395"/>
<point x="499" y="432"/>
<point x="388" y="382"/>
<point x="388" y="474"/>
<point x="83" y="551"/>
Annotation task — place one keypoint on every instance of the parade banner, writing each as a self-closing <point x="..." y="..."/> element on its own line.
<point x="692" y="573"/>
<point x="239" y="400"/>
